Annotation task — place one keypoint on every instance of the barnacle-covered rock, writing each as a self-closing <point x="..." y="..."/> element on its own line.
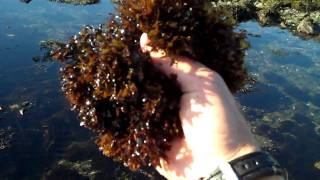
<point x="119" y="94"/>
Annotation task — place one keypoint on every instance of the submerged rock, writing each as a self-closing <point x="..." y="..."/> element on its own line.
<point x="6" y="135"/>
<point x="120" y="95"/>
<point x="36" y="58"/>
<point x="21" y="108"/>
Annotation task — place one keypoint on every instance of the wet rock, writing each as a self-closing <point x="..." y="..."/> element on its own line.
<point x="14" y="107"/>
<point x="258" y="5"/>
<point x="284" y="14"/>
<point x="1" y="109"/>
<point x="263" y="17"/>
<point x="306" y="27"/>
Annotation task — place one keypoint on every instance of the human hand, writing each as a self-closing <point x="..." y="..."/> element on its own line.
<point x="214" y="128"/>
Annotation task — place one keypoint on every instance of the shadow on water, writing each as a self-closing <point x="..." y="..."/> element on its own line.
<point x="316" y="99"/>
<point x="289" y="88"/>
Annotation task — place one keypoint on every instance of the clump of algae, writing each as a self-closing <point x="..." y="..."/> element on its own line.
<point x="116" y="90"/>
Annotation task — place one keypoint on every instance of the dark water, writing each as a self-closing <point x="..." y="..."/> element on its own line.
<point x="46" y="142"/>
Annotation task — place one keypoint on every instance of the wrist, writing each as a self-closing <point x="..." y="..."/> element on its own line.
<point x="254" y="166"/>
<point x="244" y="150"/>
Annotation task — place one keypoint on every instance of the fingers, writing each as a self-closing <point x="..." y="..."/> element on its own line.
<point x="191" y="75"/>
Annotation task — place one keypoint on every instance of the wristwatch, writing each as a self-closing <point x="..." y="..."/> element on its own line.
<point x="249" y="167"/>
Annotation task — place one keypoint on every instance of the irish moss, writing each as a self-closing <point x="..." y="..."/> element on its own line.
<point x="116" y="90"/>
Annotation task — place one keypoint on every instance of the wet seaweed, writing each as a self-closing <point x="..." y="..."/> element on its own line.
<point x="116" y="90"/>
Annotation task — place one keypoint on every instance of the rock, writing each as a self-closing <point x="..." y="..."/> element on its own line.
<point x="13" y="107"/>
<point x="1" y="109"/>
<point x="315" y="16"/>
<point x="259" y="5"/>
<point x="263" y="17"/>
<point x="306" y="27"/>
<point x="283" y="25"/>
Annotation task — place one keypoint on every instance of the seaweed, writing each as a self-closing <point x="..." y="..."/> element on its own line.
<point x="121" y="96"/>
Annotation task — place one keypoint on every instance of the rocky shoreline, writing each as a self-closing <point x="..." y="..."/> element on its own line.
<point x="301" y="18"/>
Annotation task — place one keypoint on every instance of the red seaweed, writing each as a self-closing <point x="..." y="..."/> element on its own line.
<point x="121" y="96"/>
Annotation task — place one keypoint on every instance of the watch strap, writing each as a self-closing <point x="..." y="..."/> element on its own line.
<point x="256" y="165"/>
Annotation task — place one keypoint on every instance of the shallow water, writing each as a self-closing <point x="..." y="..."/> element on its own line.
<point x="47" y="142"/>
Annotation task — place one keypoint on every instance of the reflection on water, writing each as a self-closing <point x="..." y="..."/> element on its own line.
<point x="45" y="141"/>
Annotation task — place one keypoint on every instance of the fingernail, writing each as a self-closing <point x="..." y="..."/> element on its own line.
<point x="144" y="42"/>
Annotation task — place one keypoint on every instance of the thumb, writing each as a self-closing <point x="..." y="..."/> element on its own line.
<point x="191" y="75"/>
